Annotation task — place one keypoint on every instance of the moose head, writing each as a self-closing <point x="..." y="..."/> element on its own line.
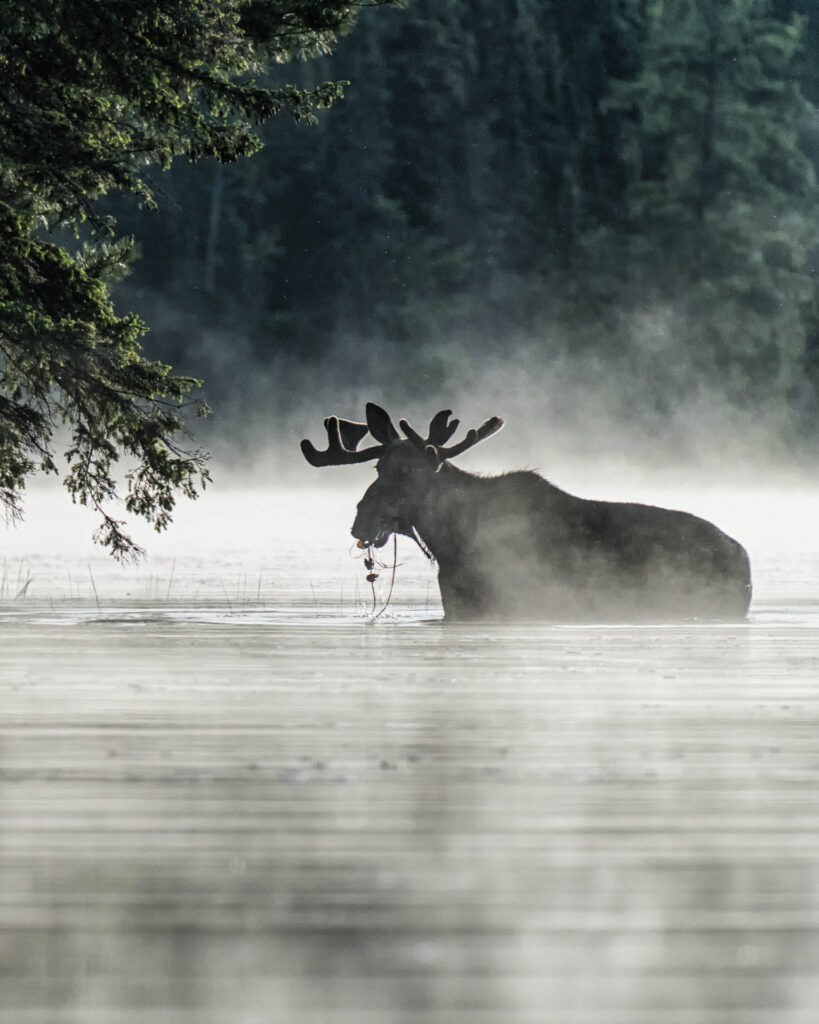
<point x="397" y="500"/>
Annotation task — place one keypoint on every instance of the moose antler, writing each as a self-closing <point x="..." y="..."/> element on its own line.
<point x="473" y="437"/>
<point x="441" y="430"/>
<point x="343" y="437"/>
<point x="351" y="433"/>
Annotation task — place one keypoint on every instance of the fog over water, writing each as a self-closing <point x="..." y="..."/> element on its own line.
<point x="230" y="795"/>
<point x="265" y="510"/>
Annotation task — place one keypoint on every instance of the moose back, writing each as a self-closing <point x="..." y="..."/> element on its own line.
<point x="516" y="546"/>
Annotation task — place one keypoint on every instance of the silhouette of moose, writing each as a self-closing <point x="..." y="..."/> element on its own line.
<point x="516" y="546"/>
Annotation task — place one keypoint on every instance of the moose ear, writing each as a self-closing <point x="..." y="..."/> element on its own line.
<point x="380" y="425"/>
<point x="433" y="457"/>
<point x="352" y="433"/>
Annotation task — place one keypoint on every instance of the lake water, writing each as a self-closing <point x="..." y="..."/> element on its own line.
<point x="230" y="796"/>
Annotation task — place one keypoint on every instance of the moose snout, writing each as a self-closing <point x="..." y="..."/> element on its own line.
<point x="376" y="536"/>
<point x="371" y="528"/>
<point x="358" y="531"/>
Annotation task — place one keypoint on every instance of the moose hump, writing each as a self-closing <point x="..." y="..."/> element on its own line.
<point x="516" y="546"/>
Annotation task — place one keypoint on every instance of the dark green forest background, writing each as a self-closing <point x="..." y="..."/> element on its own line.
<point x="623" y="187"/>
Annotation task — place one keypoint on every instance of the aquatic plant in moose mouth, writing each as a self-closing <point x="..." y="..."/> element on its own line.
<point x="516" y="546"/>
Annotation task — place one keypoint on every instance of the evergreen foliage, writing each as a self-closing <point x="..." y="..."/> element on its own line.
<point x="627" y="182"/>
<point x="91" y="95"/>
<point x="564" y="173"/>
<point x="721" y="187"/>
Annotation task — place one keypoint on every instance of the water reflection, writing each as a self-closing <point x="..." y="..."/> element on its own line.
<point x="210" y="817"/>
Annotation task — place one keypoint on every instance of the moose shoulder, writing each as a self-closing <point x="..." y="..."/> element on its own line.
<point x="517" y="546"/>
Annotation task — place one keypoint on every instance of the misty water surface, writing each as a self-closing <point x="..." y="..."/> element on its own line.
<point x="228" y="795"/>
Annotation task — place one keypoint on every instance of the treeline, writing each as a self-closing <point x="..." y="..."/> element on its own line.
<point x="626" y="183"/>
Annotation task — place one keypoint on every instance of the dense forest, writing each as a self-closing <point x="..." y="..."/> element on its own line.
<point x="629" y="185"/>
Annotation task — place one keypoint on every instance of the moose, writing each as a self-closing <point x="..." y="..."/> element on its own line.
<point x="516" y="546"/>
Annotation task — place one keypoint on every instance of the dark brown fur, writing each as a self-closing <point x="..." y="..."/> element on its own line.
<point x="516" y="546"/>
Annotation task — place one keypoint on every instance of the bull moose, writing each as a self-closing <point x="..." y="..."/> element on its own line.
<point x="517" y="546"/>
